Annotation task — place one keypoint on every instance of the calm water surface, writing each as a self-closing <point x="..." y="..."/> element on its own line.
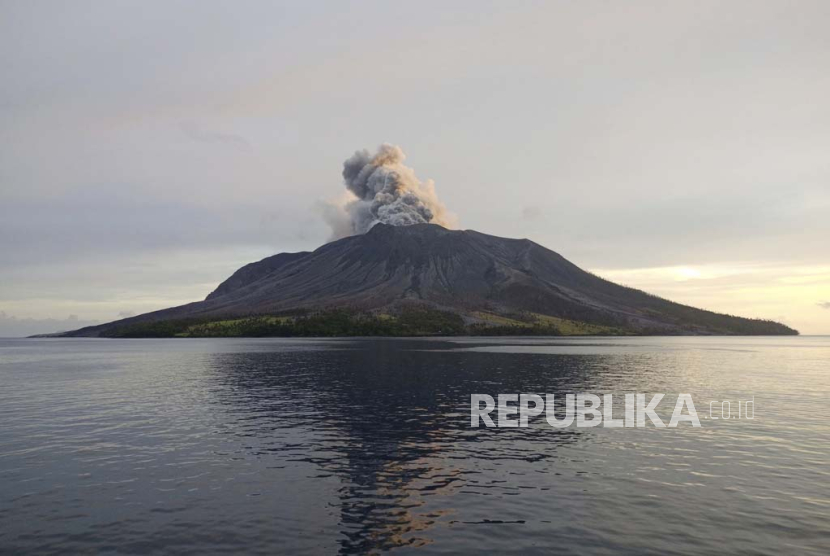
<point x="280" y="446"/>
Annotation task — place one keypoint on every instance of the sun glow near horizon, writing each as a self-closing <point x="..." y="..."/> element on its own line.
<point x="793" y="295"/>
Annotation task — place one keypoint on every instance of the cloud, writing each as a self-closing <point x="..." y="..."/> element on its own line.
<point x="201" y="135"/>
<point x="824" y="304"/>
<point x="531" y="213"/>
<point x="13" y="327"/>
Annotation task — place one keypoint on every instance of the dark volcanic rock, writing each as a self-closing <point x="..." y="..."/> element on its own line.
<point x="252" y="272"/>
<point x="458" y="270"/>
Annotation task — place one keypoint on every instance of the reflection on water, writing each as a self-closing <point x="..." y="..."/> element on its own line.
<point x="363" y="446"/>
<point x="385" y="420"/>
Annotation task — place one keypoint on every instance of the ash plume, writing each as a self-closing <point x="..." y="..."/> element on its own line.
<point x="382" y="189"/>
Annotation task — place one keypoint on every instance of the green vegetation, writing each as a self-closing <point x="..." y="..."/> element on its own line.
<point x="512" y="330"/>
<point x="577" y="328"/>
<point x="493" y="319"/>
<point x="233" y="327"/>
<point x="536" y="324"/>
<point x="409" y="321"/>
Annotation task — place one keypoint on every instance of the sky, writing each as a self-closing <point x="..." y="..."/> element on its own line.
<point x="149" y="149"/>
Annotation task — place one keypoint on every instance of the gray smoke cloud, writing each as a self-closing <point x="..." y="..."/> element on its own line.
<point x="382" y="189"/>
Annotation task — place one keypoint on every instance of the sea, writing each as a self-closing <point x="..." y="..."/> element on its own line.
<point x="365" y="446"/>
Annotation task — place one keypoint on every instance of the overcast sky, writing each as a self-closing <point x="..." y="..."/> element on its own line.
<point x="148" y="149"/>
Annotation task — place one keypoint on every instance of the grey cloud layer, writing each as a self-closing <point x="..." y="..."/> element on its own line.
<point x="201" y="135"/>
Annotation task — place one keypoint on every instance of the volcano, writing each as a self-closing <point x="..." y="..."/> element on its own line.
<point x="483" y="280"/>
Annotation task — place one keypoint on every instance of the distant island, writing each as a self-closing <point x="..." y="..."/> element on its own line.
<point x="425" y="280"/>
